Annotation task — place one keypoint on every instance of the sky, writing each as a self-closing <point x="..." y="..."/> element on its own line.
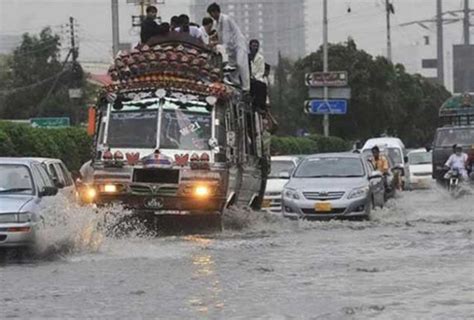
<point x="365" y="23"/>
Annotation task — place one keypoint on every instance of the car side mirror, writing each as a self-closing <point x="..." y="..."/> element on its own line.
<point x="48" y="191"/>
<point x="375" y="175"/>
<point x="284" y="175"/>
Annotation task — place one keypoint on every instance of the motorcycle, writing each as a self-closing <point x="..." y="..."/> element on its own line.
<point x="453" y="177"/>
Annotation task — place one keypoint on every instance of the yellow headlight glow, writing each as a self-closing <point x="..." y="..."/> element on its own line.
<point x="90" y="194"/>
<point x="110" y="188"/>
<point x="202" y="191"/>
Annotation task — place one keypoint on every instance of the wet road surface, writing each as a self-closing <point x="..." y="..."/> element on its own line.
<point x="413" y="260"/>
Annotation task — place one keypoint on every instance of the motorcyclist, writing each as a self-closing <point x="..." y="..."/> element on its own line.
<point x="380" y="163"/>
<point x="457" y="161"/>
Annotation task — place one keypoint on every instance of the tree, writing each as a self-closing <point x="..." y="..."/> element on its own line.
<point x="385" y="98"/>
<point x="37" y="81"/>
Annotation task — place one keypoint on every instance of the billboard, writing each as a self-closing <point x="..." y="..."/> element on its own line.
<point x="463" y="68"/>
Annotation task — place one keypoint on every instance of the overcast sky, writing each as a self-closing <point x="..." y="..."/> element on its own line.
<point x="365" y="23"/>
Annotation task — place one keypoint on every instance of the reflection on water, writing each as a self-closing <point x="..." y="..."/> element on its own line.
<point x="209" y="298"/>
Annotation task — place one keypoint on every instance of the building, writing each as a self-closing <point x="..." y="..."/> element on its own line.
<point x="279" y="25"/>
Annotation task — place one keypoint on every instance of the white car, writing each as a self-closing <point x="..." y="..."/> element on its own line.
<point x="421" y="168"/>
<point x="61" y="176"/>
<point x="282" y="167"/>
<point x="393" y="148"/>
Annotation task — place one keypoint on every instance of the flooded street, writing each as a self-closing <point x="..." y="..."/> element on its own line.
<point x="415" y="259"/>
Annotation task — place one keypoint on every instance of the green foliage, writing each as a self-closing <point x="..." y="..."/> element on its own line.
<point x="71" y="145"/>
<point x="308" y="145"/>
<point x="385" y="98"/>
<point x="34" y="81"/>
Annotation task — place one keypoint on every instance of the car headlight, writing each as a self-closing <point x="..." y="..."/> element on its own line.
<point x="291" y="194"/>
<point x="24" y="217"/>
<point x="358" y="193"/>
<point x="15" y="217"/>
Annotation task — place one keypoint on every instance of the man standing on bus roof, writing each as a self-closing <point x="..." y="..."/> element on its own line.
<point x="232" y="37"/>
<point x="149" y="27"/>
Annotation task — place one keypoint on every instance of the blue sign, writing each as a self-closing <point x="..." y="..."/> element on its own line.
<point x="327" y="106"/>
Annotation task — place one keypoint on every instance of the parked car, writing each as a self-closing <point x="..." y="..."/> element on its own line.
<point x="420" y="162"/>
<point x="282" y="167"/>
<point x="23" y="185"/>
<point x="60" y="175"/>
<point x="337" y="185"/>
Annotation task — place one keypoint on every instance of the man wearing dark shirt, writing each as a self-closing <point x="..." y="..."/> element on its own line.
<point x="149" y="27"/>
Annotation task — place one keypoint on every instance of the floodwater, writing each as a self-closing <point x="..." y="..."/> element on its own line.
<point x="413" y="260"/>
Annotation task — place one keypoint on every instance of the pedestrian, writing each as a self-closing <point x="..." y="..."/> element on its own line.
<point x="230" y="35"/>
<point x="258" y="85"/>
<point x="149" y="27"/>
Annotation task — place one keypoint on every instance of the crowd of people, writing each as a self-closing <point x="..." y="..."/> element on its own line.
<point x="244" y="62"/>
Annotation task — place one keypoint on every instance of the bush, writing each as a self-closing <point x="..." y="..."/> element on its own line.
<point x="308" y="145"/>
<point x="71" y="145"/>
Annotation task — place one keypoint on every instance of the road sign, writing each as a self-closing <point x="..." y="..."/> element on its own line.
<point x="49" y="122"/>
<point x="333" y="93"/>
<point x="327" y="79"/>
<point x="326" y="106"/>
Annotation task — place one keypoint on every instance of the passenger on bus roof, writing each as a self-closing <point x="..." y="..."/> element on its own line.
<point x="149" y="27"/>
<point x="234" y="41"/>
<point x="185" y="26"/>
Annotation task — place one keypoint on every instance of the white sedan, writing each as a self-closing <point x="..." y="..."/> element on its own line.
<point x="421" y="168"/>
<point x="282" y="167"/>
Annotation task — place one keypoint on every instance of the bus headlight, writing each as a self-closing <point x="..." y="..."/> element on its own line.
<point x="110" y="188"/>
<point x="202" y="191"/>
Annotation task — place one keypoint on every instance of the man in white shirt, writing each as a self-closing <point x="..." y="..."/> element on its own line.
<point x="206" y="29"/>
<point x="258" y="84"/>
<point x="230" y="35"/>
<point x="184" y="26"/>
<point x="458" y="161"/>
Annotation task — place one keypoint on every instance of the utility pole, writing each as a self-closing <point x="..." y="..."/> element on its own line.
<point x="325" y="62"/>
<point x="389" y="10"/>
<point x="115" y="27"/>
<point x="466" y="23"/>
<point x="439" y="31"/>
<point x="75" y="91"/>
<point x="74" y="50"/>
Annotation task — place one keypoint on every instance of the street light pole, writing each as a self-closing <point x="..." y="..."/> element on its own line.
<point x="325" y="62"/>
<point x="439" y="31"/>
<point x="389" y="10"/>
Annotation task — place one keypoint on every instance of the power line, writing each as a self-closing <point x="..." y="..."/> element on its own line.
<point x="33" y="85"/>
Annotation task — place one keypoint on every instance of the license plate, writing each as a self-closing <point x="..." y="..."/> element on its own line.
<point x="323" y="207"/>
<point x="266" y="203"/>
<point x="154" y="203"/>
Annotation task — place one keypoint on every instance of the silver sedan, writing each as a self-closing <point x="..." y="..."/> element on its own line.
<point x="23" y="184"/>
<point x="339" y="185"/>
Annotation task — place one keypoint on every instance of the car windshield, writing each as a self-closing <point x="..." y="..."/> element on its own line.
<point x="449" y="137"/>
<point x="419" y="158"/>
<point x="330" y="167"/>
<point x="132" y="128"/>
<point x="185" y="129"/>
<point x="280" y="166"/>
<point x="15" y="179"/>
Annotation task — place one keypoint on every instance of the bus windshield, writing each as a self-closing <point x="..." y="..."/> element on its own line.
<point x="185" y="129"/>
